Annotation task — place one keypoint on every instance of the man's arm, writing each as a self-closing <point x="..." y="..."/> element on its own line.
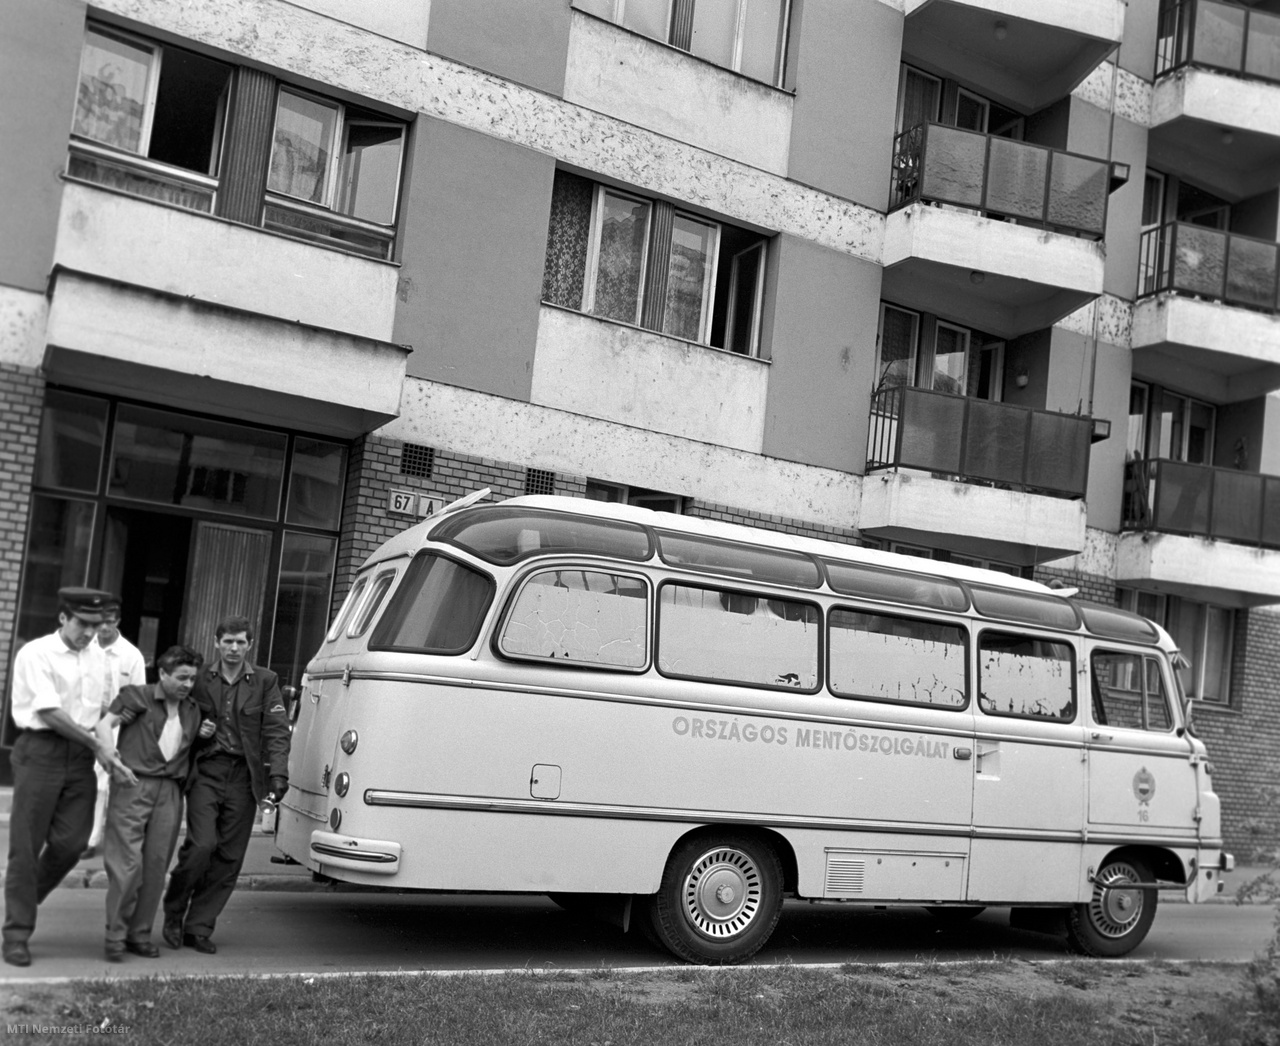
<point x="107" y="749"/>
<point x="275" y="739"/>
<point x="60" y="723"/>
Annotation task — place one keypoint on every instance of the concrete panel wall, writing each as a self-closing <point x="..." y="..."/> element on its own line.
<point x="1124" y="211"/>
<point x="39" y="64"/>
<point x="1138" y="51"/>
<point x="823" y="343"/>
<point x="475" y="239"/>
<point x="404" y="20"/>
<point x="1269" y="451"/>
<point x="1104" y="494"/>
<point x="846" y="82"/>
<point x="521" y="41"/>
<point x="647" y="380"/>
<point x="648" y="84"/>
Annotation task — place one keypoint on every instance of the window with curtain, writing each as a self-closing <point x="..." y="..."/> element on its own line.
<point x="635" y="260"/>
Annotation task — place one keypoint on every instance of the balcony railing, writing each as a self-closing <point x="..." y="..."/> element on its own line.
<point x="1173" y="497"/>
<point x="1222" y="36"/>
<point x="1000" y="177"/>
<point x="1210" y="263"/>
<point x="138" y="176"/>
<point x="975" y="440"/>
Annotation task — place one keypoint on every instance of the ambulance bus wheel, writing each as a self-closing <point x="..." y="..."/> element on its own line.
<point x="1118" y="916"/>
<point x="720" y="898"/>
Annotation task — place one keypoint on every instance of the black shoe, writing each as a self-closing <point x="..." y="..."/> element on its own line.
<point x="200" y="943"/>
<point x="114" y="951"/>
<point x="172" y="933"/>
<point x="144" y="948"/>
<point x="16" y="953"/>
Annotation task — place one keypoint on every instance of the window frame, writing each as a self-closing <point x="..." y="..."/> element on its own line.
<point x="913" y="365"/>
<point x="757" y="299"/>
<point x="929" y="357"/>
<point x="156" y="57"/>
<point x="966" y="645"/>
<point x="353" y="597"/>
<point x="520" y="583"/>
<point x="788" y="596"/>
<point x="1143" y="696"/>
<point x="592" y="274"/>
<point x="1062" y="639"/>
<point x="345" y="116"/>
<point x="374" y="598"/>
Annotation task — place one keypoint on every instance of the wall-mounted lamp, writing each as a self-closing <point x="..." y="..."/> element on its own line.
<point x="1119" y="175"/>
<point x="1020" y="377"/>
<point x="1001" y="30"/>
<point x="977" y="276"/>
<point x="1101" y="430"/>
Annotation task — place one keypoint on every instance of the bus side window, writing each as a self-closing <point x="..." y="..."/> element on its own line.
<point x="376" y="593"/>
<point x="1026" y="676"/>
<point x="348" y="605"/>
<point x="582" y="617"/>
<point x="887" y="657"/>
<point x="1129" y="692"/>
<point x="737" y="637"/>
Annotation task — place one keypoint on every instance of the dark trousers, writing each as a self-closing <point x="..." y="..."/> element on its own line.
<point x="220" y="815"/>
<point x="138" y="841"/>
<point x="49" y="823"/>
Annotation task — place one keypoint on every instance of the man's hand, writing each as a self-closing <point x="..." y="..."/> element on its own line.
<point x="208" y="728"/>
<point x="127" y="716"/>
<point x="279" y="785"/>
<point x="112" y="763"/>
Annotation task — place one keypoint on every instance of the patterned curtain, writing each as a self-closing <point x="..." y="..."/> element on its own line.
<point x="568" y="236"/>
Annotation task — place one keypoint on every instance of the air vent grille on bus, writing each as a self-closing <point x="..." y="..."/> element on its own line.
<point x="845" y="875"/>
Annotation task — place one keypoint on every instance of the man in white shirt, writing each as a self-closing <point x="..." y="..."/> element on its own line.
<point x="125" y="667"/>
<point x="58" y="685"/>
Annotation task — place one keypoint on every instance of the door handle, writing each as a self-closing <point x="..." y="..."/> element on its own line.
<point x="1100" y="737"/>
<point x="962" y="753"/>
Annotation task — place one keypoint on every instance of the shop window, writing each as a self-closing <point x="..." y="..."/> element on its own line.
<point x="334" y="174"/>
<point x="73" y="430"/>
<point x="747" y="36"/>
<point x="626" y="258"/>
<point x="302" y="601"/>
<point x="149" y="118"/>
<point x="316" y="480"/>
<point x="178" y="459"/>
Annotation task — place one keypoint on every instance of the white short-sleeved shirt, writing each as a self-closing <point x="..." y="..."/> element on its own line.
<point x="48" y="674"/>
<point x="125" y="666"/>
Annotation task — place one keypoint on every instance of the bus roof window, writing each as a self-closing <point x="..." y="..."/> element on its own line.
<point x="1116" y="624"/>
<point x="897" y="586"/>
<point x="1029" y="607"/>
<point x="504" y="535"/>
<point x="737" y="559"/>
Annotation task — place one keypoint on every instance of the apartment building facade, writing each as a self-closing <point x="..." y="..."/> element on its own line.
<point x="992" y="281"/>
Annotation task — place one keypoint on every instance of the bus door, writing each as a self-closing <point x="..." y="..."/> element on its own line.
<point x="1029" y="769"/>
<point x="1141" y="780"/>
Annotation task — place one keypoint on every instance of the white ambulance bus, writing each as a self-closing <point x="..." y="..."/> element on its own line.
<point x="691" y="721"/>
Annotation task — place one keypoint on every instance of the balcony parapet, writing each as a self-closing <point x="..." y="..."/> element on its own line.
<point x="977" y="441"/>
<point x="1210" y="263"/>
<point x="1000" y="177"/>
<point x="1174" y="497"/>
<point x="1229" y="38"/>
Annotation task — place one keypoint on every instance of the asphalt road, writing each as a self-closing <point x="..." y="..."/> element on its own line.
<point x="268" y="932"/>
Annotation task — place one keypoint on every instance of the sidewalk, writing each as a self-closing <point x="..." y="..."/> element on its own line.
<point x="260" y="872"/>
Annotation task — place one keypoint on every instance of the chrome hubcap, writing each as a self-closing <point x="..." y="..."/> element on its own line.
<point x="722" y="893"/>
<point x="1114" y="910"/>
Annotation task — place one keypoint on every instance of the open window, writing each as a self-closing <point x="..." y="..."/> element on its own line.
<point x="334" y="174"/>
<point x="624" y="257"/>
<point x="149" y="118"/>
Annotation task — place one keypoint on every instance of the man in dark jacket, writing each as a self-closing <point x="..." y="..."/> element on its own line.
<point x="244" y="763"/>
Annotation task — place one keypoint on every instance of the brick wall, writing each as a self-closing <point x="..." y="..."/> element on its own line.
<point x="1093" y="587"/>
<point x="1243" y="738"/>
<point x="21" y="402"/>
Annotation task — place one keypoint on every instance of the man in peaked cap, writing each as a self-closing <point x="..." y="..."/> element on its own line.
<point x="58" y="685"/>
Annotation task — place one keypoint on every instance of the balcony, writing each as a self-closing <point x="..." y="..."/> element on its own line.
<point x="1024" y="55"/>
<point x="1201" y="532"/>
<point x="1208" y="313"/>
<point x="993" y="233"/>
<point x="1215" y="109"/>
<point x="986" y="479"/>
